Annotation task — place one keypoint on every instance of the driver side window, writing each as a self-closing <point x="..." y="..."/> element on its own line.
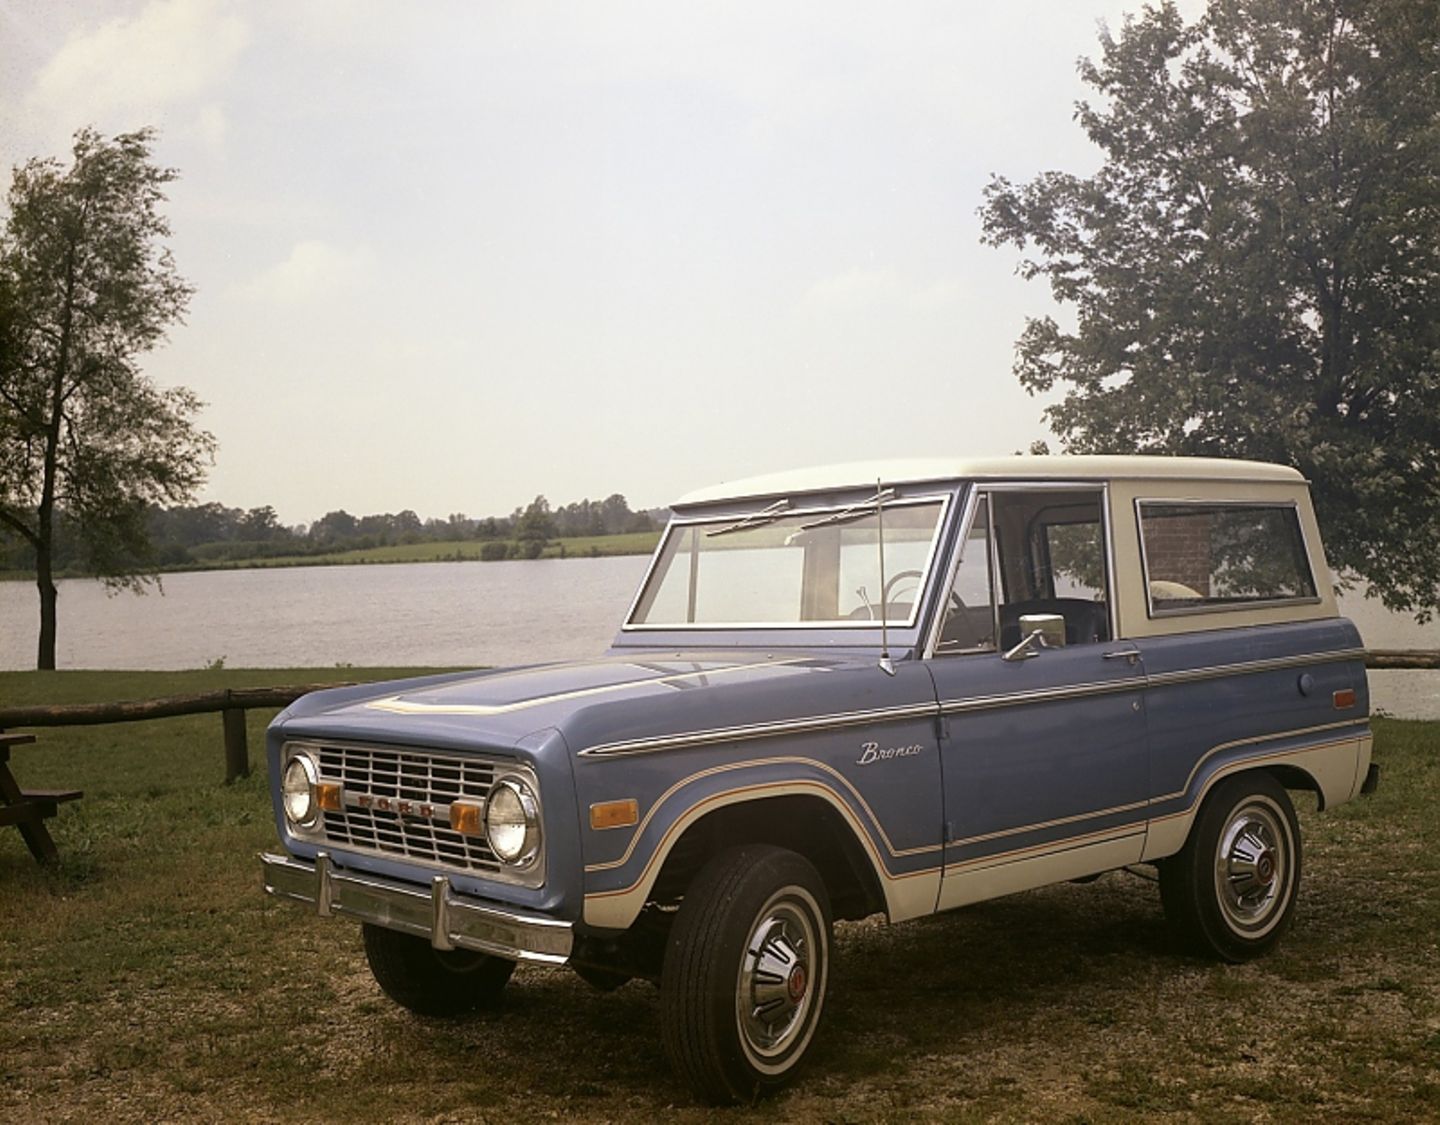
<point x="1038" y="551"/>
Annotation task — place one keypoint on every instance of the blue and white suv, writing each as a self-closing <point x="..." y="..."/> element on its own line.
<point x="897" y="688"/>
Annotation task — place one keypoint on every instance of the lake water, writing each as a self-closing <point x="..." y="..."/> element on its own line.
<point x="468" y="613"/>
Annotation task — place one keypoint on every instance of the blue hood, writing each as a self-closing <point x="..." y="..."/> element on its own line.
<point x="590" y="702"/>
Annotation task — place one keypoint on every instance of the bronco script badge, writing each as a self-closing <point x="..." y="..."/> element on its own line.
<point x="874" y="752"/>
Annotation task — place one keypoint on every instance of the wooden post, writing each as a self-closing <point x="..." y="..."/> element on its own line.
<point x="237" y="750"/>
<point x="32" y="827"/>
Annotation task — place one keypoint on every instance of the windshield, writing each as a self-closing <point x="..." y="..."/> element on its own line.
<point x="793" y="567"/>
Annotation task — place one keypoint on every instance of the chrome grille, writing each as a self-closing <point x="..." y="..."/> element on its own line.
<point x="419" y="777"/>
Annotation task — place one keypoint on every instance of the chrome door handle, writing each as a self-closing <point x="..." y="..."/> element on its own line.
<point x="1132" y="657"/>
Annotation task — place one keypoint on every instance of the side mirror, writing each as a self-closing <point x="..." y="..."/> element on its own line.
<point x="1038" y="630"/>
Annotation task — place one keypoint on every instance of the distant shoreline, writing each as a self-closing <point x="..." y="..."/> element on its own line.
<point x="470" y="550"/>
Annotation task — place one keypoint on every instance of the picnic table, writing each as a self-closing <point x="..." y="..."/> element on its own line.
<point x="29" y="809"/>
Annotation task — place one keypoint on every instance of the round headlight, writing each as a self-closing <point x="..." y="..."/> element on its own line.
<point x="512" y="821"/>
<point x="297" y="791"/>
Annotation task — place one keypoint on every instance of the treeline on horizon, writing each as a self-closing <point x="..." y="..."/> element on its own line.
<point x="198" y="535"/>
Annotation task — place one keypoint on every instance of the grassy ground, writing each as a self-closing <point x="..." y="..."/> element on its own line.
<point x="148" y="978"/>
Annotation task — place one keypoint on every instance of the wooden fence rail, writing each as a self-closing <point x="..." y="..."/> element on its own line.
<point x="232" y="703"/>
<point x="1401" y="658"/>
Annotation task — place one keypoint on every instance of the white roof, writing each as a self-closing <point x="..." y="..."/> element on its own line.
<point x="858" y="474"/>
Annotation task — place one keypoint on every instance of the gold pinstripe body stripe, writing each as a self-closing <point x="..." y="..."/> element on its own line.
<point x="750" y="731"/>
<point x="1065" y="843"/>
<point x="1205" y="757"/>
<point x="818" y="723"/>
<point x="895" y="853"/>
<point x="1062" y="844"/>
<point x="729" y="796"/>
<point x="1238" y="763"/>
<point x="1048" y="824"/>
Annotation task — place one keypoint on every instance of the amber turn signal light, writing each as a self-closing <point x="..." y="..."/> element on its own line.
<point x="614" y="814"/>
<point x="330" y="796"/>
<point x="466" y="818"/>
<point x="1344" y="698"/>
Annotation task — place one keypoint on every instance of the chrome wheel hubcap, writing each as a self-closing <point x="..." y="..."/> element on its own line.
<point x="1252" y="867"/>
<point x="777" y="979"/>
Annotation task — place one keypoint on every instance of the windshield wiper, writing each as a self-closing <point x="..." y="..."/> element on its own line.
<point x="754" y="519"/>
<point x="859" y="510"/>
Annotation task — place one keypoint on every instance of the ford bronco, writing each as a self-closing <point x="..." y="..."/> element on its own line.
<point x="897" y="688"/>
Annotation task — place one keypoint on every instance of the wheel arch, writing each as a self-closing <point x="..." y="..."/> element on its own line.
<point x="806" y="824"/>
<point x="1328" y="769"/>
<point x="804" y="816"/>
<point x="1294" y="777"/>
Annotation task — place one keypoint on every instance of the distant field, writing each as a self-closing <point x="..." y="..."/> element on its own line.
<point x="148" y="978"/>
<point x="631" y="543"/>
<point x="580" y="546"/>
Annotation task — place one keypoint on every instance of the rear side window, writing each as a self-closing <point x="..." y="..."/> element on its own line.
<point x="1201" y="557"/>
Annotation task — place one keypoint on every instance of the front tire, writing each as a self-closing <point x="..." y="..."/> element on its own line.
<point x="745" y="973"/>
<point x="1230" y="892"/>
<point x="430" y="981"/>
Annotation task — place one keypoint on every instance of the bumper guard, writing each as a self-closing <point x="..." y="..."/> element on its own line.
<point x="444" y="919"/>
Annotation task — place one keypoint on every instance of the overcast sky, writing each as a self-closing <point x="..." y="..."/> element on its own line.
<point x="451" y="255"/>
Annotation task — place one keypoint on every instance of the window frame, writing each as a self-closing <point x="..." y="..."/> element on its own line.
<point x="679" y="524"/>
<point x="975" y="490"/>
<point x="978" y="500"/>
<point x="1291" y="506"/>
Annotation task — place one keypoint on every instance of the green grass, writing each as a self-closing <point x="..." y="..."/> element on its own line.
<point x="630" y="543"/>
<point x="146" y="977"/>
<point x="578" y="546"/>
<point x="584" y="546"/>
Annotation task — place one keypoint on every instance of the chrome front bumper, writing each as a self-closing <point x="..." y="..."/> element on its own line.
<point x="444" y="919"/>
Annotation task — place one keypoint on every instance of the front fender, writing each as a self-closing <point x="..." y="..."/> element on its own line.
<point x="616" y="890"/>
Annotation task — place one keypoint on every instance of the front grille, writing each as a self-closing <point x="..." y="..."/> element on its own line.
<point x="421" y="778"/>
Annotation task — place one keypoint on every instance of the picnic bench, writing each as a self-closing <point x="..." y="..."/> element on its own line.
<point x="29" y="809"/>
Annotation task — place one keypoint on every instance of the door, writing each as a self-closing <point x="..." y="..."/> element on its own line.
<point x="1043" y="745"/>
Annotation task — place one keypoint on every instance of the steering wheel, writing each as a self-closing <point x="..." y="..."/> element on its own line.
<point x="890" y="585"/>
<point x="959" y="631"/>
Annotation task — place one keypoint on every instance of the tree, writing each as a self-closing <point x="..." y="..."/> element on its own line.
<point x="86" y="288"/>
<point x="1255" y="269"/>
<point x="535" y="527"/>
<point x="260" y="525"/>
<point x="333" y="528"/>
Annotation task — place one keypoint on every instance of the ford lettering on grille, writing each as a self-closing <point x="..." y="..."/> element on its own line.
<point x="397" y="802"/>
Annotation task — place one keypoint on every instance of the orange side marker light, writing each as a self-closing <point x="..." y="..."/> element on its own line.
<point x="614" y="814"/>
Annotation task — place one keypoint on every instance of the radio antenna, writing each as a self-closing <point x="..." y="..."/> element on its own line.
<point x="886" y="664"/>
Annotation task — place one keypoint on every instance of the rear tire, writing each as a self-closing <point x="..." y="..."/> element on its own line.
<point x="430" y="981"/>
<point x="745" y="973"/>
<point x="1230" y="891"/>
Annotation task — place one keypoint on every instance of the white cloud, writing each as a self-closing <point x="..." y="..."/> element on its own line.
<point x="313" y="270"/>
<point x="168" y="54"/>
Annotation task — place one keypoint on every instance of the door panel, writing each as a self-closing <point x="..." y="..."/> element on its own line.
<point x="1040" y="757"/>
<point x="1043" y="757"/>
